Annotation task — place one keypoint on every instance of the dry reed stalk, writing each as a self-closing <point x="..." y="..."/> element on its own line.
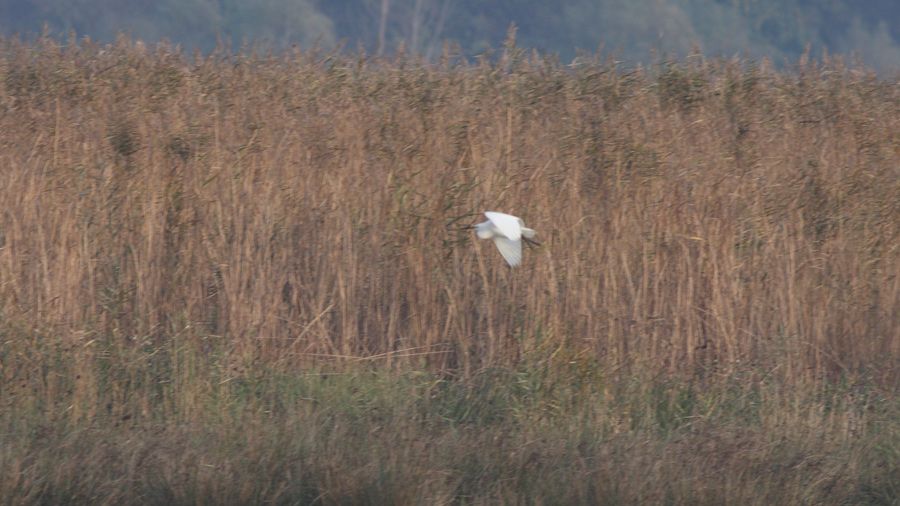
<point x="696" y="218"/>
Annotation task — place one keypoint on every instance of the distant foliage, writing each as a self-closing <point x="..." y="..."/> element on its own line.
<point x="633" y="30"/>
<point x="194" y="23"/>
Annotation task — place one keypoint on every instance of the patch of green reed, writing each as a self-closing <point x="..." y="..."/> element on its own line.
<point x="361" y="434"/>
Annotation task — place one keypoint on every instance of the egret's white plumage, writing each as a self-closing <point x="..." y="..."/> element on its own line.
<point x="507" y="232"/>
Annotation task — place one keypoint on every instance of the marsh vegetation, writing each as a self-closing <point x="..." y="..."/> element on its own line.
<point x="243" y="278"/>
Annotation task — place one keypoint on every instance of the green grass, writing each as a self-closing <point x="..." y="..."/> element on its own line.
<point x="571" y="433"/>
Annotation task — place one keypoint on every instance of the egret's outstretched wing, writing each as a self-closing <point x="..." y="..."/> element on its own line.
<point x="508" y="225"/>
<point x="510" y="249"/>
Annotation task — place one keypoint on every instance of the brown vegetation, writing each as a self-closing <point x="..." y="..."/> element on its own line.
<point x="191" y="247"/>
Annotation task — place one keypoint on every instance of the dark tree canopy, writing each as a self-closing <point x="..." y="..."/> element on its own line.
<point x="632" y="30"/>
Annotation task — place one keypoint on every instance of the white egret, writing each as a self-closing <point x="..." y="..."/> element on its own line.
<point x="507" y="231"/>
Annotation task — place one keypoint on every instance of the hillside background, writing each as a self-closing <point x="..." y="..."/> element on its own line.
<point x="632" y="30"/>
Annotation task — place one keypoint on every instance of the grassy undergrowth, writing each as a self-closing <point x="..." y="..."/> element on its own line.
<point x="541" y="433"/>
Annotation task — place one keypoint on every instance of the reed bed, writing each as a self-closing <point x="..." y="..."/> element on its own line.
<point x="243" y="278"/>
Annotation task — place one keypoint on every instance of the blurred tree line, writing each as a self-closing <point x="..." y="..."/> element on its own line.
<point x="633" y="30"/>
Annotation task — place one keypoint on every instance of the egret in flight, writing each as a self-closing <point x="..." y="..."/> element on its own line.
<point x="507" y="231"/>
